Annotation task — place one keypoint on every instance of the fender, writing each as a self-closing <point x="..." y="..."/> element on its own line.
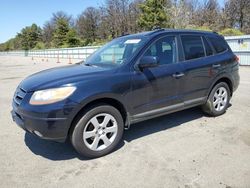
<point x="111" y="96"/>
<point x="216" y="79"/>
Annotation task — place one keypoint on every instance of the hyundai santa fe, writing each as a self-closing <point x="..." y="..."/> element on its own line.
<point x="130" y="79"/>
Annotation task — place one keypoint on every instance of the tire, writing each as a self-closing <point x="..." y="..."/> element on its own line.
<point x="218" y="100"/>
<point x="98" y="131"/>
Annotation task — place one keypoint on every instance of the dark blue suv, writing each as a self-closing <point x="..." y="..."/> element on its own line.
<point x="131" y="79"/>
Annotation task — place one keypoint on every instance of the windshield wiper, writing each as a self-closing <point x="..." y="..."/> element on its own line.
<point x="87" y="64"/>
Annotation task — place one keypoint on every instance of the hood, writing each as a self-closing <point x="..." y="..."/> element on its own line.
<point x="56" y="77"/>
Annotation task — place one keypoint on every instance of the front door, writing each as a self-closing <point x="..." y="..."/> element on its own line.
<point x="157" y="87"/>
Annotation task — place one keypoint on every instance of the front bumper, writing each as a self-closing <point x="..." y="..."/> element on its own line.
<point x="51" y="122"/>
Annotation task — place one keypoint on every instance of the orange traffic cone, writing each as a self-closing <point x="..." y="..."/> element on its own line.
<point x="58" y="59"/>
<point x="70" y="60"/>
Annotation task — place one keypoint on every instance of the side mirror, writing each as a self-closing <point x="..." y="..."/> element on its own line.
<point x="148" y="61"/>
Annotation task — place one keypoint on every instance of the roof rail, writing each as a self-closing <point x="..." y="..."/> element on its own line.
<point x="123" y="34"/>
<point x="156" y="28"/>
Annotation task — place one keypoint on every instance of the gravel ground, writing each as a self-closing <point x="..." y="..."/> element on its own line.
<point x="184" y="149"/>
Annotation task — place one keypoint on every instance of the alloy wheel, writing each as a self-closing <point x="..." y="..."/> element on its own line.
<point x="100" y="132"/>
<point x="220" y="99"/>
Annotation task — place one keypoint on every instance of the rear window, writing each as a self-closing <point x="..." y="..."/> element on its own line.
<point x="192" y="46"/>
<point x="218" y="43"/>
<point x="208" y="48"/>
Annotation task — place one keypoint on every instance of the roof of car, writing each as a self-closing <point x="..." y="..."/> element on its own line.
<point x="156" y="32"/>
<point x="161" y="31"/>
<point x="180" y="31"/>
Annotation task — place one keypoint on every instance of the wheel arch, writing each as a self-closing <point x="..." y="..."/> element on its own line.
<point x="225" y="79"/>
<point x="95" y="102"/>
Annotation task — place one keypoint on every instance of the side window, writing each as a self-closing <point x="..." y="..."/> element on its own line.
<point x="164" y="49"/>
<point x="208" y="48"/>
<point x="218" y="43"/>
<point x="192" y="46"/>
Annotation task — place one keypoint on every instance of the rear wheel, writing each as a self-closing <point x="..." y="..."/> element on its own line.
<point x="98" y="131"/>
<point x="218" y="100"/>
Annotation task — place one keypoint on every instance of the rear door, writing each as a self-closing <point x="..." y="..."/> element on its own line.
<point x="223" y="54"/>
<point x="198" y="60"/>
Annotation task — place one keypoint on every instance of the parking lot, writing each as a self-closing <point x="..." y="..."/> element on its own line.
<point x="184" y="149"/>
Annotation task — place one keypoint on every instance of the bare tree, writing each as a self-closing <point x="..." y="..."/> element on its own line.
<point x="238" y="13"/>
<point x="87" y="24"/>
<point x="117" y="17"/>
<point x="133" y="14"/>
<point x="180" y="14"/>
<point x="210" y="14"/>
<point x="195" y="10"/>
<point x="47" y="33"/>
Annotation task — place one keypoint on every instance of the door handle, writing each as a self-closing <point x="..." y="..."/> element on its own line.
<point x="216" y="65"/>
<point x="178" y="75"/>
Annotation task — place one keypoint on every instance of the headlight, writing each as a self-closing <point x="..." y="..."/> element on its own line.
<point x="49" y="96"/>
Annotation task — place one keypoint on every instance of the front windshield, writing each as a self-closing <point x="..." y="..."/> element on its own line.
<point x="117" y="52"/>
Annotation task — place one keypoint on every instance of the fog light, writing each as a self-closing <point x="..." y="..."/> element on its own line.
<point x="38" y="133"/>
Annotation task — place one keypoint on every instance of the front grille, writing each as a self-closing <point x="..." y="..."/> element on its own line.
<point x="19" y="95"/>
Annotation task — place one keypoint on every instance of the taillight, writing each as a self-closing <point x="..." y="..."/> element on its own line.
<point x="236" y="58"/>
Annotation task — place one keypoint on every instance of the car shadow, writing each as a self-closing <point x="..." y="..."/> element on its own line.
<point x="49" y="149"/>
<point x="161" y="123"/>
<point x="64" y="151"/>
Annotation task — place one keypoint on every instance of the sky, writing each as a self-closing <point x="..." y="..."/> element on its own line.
<point x="17" y="14"/>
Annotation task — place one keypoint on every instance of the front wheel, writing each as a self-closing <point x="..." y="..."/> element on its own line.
<point x="98" y="131"/>
<point x="218" y="100"/>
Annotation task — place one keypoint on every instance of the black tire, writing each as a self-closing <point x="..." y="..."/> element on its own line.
<point x="77" y="138"/>
<point x="209" y="107"/>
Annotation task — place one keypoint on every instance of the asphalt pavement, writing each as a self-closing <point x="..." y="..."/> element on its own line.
<point x="184" y="149"/>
